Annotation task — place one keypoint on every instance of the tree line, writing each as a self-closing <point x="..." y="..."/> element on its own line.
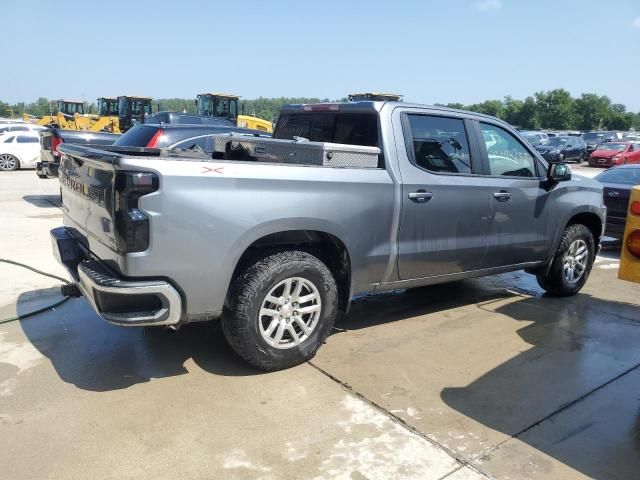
<point x="553" y="109"/>
<point x="558" y="110"/>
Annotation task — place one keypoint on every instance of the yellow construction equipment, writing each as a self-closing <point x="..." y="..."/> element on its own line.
<point x="107" y="118"/>
<point x="222" y="105"/>
<point x="71" y="115"/>
<point x="65" y="116"/>
<point x="630" y="256"/>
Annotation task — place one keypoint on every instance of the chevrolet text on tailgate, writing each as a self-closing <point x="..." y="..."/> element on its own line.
<point x="276" y="236"/>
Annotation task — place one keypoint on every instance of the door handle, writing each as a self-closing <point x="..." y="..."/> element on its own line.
<point x="421" y="196"/>
<point x="502" y="196"/>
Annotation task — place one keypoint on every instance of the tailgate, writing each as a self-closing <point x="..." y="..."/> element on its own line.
<point x="87" y="182"/>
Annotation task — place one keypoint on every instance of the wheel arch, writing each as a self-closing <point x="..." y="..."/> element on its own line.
<point x="590" y="220"/>
<point x="324" y="245"/>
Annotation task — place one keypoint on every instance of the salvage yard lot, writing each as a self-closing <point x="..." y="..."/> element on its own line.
<point x="481" y="378"/>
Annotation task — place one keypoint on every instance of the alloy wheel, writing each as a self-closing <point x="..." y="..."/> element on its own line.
<point x="575" y="261"/>
<point x="289" y="313"/>
<point x="7" y="162"/>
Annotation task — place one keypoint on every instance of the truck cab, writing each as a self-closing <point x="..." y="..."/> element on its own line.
<point x="107" y="106"/>
<point x="70" y="107"/>
<point x="132" y="110"/>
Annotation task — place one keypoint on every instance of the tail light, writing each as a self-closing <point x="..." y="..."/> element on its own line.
<point x="132" y="225"/>
<point x="634" y="208"/>
<point x="55" y="143"/>
<point x="633" y="243"/>
<point x="156" y="137"/>
<point x="321" y="107"/>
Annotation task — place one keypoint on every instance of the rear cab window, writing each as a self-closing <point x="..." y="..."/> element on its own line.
<point x="138" y="136"/>
<point x="347" y="128"/>
<point x="350" y="128"/>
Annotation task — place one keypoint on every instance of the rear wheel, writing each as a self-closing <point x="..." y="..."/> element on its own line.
<point x="281" y="309"/>
<point x="571" y="264"/>
<point x="8" y="162"/>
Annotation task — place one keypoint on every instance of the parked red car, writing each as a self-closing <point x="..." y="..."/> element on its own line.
<point x="615" y="153"/>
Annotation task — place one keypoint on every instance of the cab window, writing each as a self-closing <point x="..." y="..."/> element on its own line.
<point x="507" y="156"/>
<point x="25" y="139"/>
<point x="439" y="144"/>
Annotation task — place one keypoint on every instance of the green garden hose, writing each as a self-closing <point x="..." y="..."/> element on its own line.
<point x="40" y="310"/>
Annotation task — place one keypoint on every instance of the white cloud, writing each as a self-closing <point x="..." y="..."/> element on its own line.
<point x="636" y="23"/>
<point x="487" y="5"/>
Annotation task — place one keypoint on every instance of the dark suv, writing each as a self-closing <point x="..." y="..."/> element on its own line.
<point x="595" y="138"/>
<point x="185" y="118"/>
<point x="163" y="136"/>
<point x="564" y="148"/>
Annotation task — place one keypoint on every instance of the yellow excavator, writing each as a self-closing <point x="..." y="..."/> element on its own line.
<point x="107" y="118"/>
<point x="67" y="113"/>
<point x="222" y="105"/>
<point x="115" y="114"/>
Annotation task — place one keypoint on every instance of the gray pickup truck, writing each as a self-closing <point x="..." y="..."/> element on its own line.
<point x="405" y="195"/>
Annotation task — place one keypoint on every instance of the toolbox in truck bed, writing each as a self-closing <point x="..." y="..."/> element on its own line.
<point x="298" y="151"/>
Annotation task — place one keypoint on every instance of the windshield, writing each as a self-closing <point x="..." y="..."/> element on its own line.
<point x="214" y="106"/>
<point x="617" y="147"/>
<point x="107" y="107"/>
<point x="532" y="138"/>
<point x="558" y="141"/>
<point x="134" y="106"/>
<point x="70" y="108"/>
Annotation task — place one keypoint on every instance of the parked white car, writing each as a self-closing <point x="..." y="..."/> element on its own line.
<point x="20" y="127"/>
<point x="19" y="150"/>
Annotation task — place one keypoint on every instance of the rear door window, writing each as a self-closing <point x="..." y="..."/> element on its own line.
<point x="25" y="139"/>
<point x="9" y="139"/>
<point x="440" y="144"/>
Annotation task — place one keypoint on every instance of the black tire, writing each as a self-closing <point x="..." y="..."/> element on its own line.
<point x="580" y="159"/>
<point x="241" y="319"/>
<point x="554" y="281"/>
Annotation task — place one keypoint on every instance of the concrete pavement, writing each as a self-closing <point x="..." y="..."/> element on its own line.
<point x="477" y="379"/>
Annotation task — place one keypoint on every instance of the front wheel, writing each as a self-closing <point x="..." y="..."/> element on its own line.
<point x="580" y="158"/>
<point x="281" y="310"/>
<point x="8" y="162"/>
<point x="571" y="264"/>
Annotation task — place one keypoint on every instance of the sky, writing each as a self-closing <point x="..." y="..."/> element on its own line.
<point x="430" y="51"/>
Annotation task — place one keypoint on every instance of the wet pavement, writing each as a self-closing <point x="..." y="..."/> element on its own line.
<point x="475" y="379"/>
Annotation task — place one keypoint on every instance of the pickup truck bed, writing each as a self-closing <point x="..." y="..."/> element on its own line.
<point x="277" y="248"/>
